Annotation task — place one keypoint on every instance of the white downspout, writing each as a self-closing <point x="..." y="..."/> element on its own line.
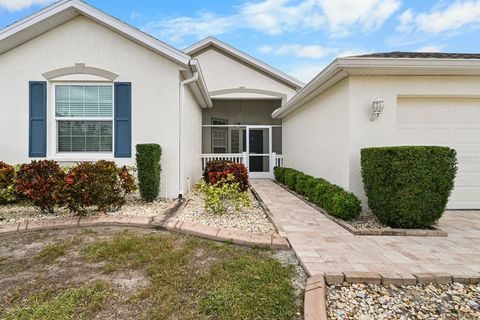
<point x="181" y="162"/>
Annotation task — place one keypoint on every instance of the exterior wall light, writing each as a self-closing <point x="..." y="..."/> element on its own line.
<point x="377" y="109"/>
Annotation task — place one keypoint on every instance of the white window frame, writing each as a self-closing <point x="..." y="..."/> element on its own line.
<point x="77" y="156"/>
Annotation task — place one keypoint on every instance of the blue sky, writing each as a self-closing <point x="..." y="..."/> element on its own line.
<point x="299" y="37"/>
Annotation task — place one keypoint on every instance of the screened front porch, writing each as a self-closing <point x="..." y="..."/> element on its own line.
<point x="243" y="131"/>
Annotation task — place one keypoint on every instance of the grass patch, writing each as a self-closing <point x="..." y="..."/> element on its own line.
<point x="74" y="303"/>
<point x="196" y="279"/>
<point x="50" y="253"/>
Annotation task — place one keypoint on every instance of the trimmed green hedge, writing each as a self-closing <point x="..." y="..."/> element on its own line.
<point x="148" y="166"/>
<point x="336" y="201"/>
<point x="408" y="186"/>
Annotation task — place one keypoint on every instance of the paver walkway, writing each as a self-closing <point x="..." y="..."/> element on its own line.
<point x="323" y="246"/>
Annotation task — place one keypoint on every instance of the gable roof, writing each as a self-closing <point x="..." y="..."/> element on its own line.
<point x="65" y="10"/>
<point x="382" y="64"/>
<point x="422" y="55"/>
<point x="242" y="56"/>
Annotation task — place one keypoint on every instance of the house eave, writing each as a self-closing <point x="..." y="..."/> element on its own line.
<point x="341" y="68"/>
<point x="199" y="87"/>
<point x="65" y="10"/>
<point x="245" y="58"/>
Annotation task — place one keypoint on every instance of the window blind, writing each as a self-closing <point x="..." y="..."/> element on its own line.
<point x="83" y="101"/>
<point x="84" y="136"/>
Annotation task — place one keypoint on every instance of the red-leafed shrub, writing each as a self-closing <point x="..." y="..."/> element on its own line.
<point x="40" y="182"/>
<point x="7" y="183"/>
<point x="219" y="170"/>
<point x="101" y="184"/>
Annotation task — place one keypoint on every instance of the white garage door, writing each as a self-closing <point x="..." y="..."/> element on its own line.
<point x="447" y="122"/>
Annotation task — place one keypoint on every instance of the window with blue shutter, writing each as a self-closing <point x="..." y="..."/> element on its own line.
<point x="123" y="119"/>
<point x="37" y="140"/>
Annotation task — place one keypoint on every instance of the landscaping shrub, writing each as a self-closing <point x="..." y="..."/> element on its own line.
<point x="279" y="173"/>
<point x="291" y="178"/>
<point x="343" y="205"/>
<point x="310" y="187"/>
<point x="41" y="183"/>
<point x="148" y="166"/>
<point x="223" y="195"/>
<point x="301" y="183"/>
<point x="408" y="186"/>
<point x="217" y="171"/>
<point x="332" y="198"/>
<point x="7" y="183"/>
<point x="101" y="184"/>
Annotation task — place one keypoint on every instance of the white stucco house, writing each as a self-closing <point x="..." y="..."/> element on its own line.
<point x="79" y="85"/>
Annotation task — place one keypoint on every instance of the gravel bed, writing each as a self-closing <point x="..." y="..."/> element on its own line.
<point x="12" y="213"/>
<point x="449" y="301"/>
<point x="367" y="220"/>
<point x="251" y="219"/>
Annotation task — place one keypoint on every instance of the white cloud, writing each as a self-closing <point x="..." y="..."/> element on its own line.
<point x="205" y="24"/>
<point x="454" y="16"/>
<point x="353" y="52"/>
<point x="276" y="17"/>
<point x="406" y="21"/>
<point x="297" y="50"/>
<point x="134" y="14"/>
<point x="266" y="49"/>
<point x="366" y="14"/>
<point x="431" y="48"/>
<point x="306" y="72"/>
<point x="442" y="18"/>
<point x="16" y="5"/>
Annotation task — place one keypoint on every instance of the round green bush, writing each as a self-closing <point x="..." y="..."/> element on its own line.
<point x="148" y="166"/>
<point x="343" y="205"/>
<point x="408" y="186"/>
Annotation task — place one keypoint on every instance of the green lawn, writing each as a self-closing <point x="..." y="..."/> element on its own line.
<point x="149" y="275"/>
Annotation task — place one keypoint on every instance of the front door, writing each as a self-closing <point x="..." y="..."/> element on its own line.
<point x="256" y="147"/>
<point x="258" y="140"/>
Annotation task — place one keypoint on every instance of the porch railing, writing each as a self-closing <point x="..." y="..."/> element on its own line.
<point x="277" y="159"/>
<point x="234" y="157"/>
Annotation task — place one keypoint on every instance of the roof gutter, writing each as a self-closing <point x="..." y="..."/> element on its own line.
<point x="181" y="111"/>
<point x="341" y="68"/>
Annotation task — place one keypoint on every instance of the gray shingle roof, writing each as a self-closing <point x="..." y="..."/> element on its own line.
<point x="424" y="55"/>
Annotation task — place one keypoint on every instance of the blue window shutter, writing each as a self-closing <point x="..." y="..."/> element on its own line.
<point x="37" y="131"/>
<point x="123" y="119"/>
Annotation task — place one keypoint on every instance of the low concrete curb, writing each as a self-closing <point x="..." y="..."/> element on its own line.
<point x="434" y="232"/>
<point x="315" y="304"/>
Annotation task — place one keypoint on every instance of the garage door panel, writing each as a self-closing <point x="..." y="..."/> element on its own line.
<point x="447" y="122"/>
<point x="467" y="135"/>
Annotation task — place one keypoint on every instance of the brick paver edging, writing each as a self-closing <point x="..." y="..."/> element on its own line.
<point x="315" y="299"/>
<point x="434" y="232"/>
<point x="399" y="279"/>
<point x="239" y="237"/>
<point x="170" y="223"/>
